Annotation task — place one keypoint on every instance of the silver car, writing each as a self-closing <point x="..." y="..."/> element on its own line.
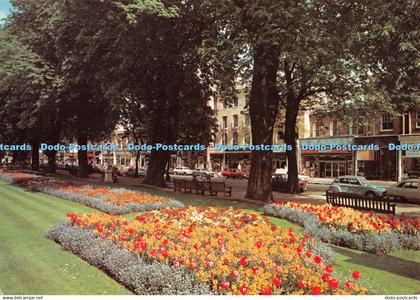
<point x="203" y="172"/>
<point x="357" y="185"/>
<point x="408" y="189"/>
<point x="183" y="171"/>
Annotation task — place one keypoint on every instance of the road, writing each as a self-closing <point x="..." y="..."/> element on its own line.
<point x="315" y="193"/>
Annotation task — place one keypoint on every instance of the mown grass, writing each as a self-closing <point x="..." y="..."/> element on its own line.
<point x="32" y="264"/>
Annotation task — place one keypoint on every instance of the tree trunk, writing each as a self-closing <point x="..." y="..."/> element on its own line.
<point x="156" y="168"/>
<point x="167" y="177"/>
<point x="136" y="173"/>
<point x="292" y="110"/>
<point x="51" y="160"/>
<point x="83" y="158"/>
<point x="35" y="156"/>
<point x="264" y="106"/>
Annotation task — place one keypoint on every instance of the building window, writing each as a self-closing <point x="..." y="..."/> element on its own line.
<point x="334" y="128"/>
<point x="235" y="101"/>
<point x="418" y="119"/>
<point x="247" y="140"/>
<point x="235" y="121"/>
<point x="280" y="135"/>
<point x="387" y="123"/>
<point x="235" y="138"/>
<point x="224" y="123"/>
<point x="318" y="129"/>
<point x="247" y="120"/>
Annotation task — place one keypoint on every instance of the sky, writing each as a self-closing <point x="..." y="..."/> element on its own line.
<point x="4" y="8"/>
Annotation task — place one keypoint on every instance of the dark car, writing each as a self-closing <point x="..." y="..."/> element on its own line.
<point x="279" y="183"/>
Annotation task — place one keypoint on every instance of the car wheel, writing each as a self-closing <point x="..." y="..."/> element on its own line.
<point x="370" y="194"/>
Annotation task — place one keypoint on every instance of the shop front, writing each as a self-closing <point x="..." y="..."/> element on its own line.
<point x="326" y="163"/>
<point x="410" y="159"/>
<point x="378" y="164"/>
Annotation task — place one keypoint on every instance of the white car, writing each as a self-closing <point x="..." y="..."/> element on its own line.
<point x="408" y="189"/>
<point x="183" y="171"/>
<point x="203" y="172"/>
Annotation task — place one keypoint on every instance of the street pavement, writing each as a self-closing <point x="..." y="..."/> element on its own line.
<point x="314" y="194"/>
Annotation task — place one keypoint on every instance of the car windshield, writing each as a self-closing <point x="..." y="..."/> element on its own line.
<point x="363" y="180"/>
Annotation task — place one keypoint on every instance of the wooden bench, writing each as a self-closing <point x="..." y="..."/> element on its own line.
<point x="360" y="202"/>
<point x="216" y="187"/>
<point x="200" y="187"/>
<point x="178" y="185"/>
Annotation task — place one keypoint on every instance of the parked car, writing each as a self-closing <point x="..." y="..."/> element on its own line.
<point x="279" y="183"/>
<point x="408" y="189"/>
<point x="357" y="185"/>
<point x="203" y="172"/>
<point x="233" y="173"/>
<point x="183" y="171"/>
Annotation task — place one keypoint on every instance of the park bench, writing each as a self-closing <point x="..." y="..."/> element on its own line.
<point x="200" y="187"/>
<point x="220" y="187"/>
<point x="360" y="202"/>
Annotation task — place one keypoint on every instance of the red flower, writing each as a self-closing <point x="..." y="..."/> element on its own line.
<point x="176" y="263"/>
<point x="273" y="227"/>
<point x="143" y="245"/>
<point x="264" y="263"/>
<point x="225" y="284"/>
<point x="193" y="265"/>
<point x="255" y="270"/>
<point x="333" y="283"/>
<point x="326" y="276"/>
<point x="278" y="269"/>
<point x="235" y="273"/>
<point x="349" y="285"/>
<point x="316" y="290"/>
<point x="302" y="284"/>
<point x="266" y="291"/>
<point x="131" y="231"/>
<point x="356" y="275"/>
<point x="243" y="289"/>
<point x="244" y="261"/>
<point x="329" y="268"/>
<point x="317" y="259"/>
<point x="260" y="244"/>
<point x="309" y="254"/>
<point x="277" y="281"/>
<point x="209" y="263"/>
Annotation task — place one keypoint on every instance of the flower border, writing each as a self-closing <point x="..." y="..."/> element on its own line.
<point x="103" y="206"/>
<point x="379" y="244"/>
<point x="139" y="276"/>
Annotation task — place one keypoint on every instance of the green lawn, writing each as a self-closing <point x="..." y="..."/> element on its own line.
<point x="32" y="264"/>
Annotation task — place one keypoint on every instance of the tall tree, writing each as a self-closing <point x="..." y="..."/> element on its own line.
<point x="26" y="84"/>
<point x="297" y="54"/>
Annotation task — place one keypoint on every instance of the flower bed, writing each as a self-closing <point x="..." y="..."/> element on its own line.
<point x="116" y="201"/>
<point x="228" y="251"/>
<point x="366" y="231"/>
<point x="17" y="177"/>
